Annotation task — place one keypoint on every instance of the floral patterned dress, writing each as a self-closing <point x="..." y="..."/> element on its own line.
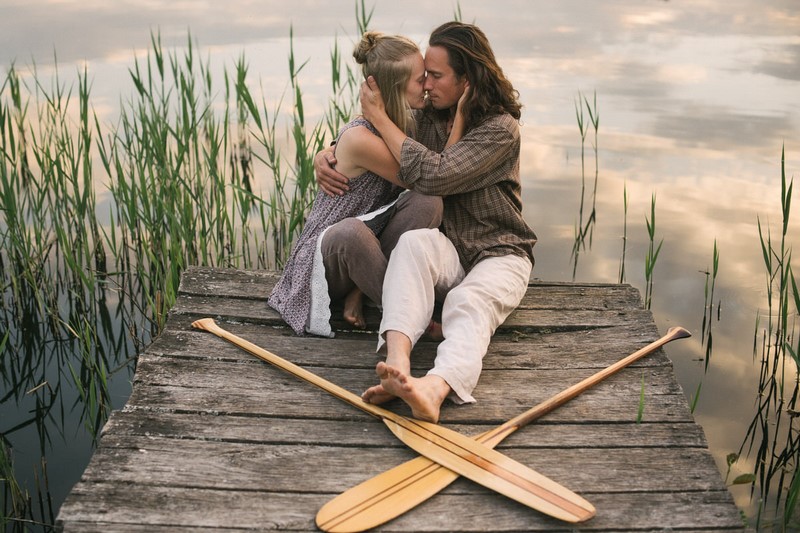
<point x="301" y="295"/>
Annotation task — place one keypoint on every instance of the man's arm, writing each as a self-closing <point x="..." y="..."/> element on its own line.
<point x="329" y="180"/>
<point x="486" y="155"/>
<point x="463" y="166"/>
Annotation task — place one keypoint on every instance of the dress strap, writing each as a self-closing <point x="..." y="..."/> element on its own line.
<point x="358" y="121"/>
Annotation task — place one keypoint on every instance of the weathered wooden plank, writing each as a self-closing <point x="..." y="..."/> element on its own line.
<point x="105" y="527"/>
<point x="242" y="294"/>
<point x="591" y="349"/>
<point x="522" y="319"/>
<point x="286" y="396"/>
<point x="256" y="285"/>
<point x="153" y="460"/>
<point x="513" y="384"/>
<point x="667" y="408"/>
<point x="257" y="389"/>
<point x="156" y="508"/>
<point x="350" y="433"/>
<point x="228" y="282"/>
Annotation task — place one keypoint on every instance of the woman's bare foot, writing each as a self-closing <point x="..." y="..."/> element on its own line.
<point x="434" y="331"/>
<point x="424" y="395"/>
<point x="354" y="309"/>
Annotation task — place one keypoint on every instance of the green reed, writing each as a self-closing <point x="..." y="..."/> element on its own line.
<point x="584" y="229"/>
<point x="307" y="144"/>
<point x="708" y="308"/>
<point x="344" y="87"/>
<point x="652" y="253"/>
<point x="640" y="409"/>
<point x="51" y="252"/>
<point x="86" y="287"/>
<point x="707" y="338"/>
<point x="457" y="16"/>
<point x="773" y="436"/>
<point x="15" y="500"/>
<point x="621" y="278"/>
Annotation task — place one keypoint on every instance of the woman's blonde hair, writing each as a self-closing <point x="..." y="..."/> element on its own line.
<point x="385" y="58"/>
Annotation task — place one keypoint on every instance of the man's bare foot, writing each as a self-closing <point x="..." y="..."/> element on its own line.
<point x="377" y="395"/>
<point x="424" y="395"/>
<point x="354" y="309"/>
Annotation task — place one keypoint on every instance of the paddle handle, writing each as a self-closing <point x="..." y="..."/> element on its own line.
<point x="502" y="431"/>
<point x="208" y="324"/>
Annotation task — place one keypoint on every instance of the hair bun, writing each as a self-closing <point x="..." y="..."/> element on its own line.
<point x="368" y="42"/>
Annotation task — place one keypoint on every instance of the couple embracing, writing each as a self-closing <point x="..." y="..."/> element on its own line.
<point x="420" y="201"/>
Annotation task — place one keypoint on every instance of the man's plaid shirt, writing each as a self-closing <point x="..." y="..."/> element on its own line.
<point x="478" y="178"/>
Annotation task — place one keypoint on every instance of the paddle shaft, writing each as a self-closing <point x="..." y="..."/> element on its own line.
<point x="449" y="448"/>
<point x="569" y="393"/>
<point x="405" y="486"/>
<point x="345" y="395"/>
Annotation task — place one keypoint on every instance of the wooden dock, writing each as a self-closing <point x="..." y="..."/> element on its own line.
<point x="214" y="439"/>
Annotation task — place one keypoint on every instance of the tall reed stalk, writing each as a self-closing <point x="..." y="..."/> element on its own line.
<point x="582" y="230"/>
<point x="708" y="312"/>
<point x="773" y="436"/>
<point x="621" y="278"/>
<point x="708" y="319"/>
<point x="53" y="260"/>
<point x="85" y="284"/>
<point x="652" y="253"/>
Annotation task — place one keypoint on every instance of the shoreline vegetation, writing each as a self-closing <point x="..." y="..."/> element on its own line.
<point x="88" y="282"/>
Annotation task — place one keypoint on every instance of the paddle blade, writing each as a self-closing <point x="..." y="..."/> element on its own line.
<point x="491" y="469"/>
<point x="384" y="497"/>
<point x="389" y="494"/>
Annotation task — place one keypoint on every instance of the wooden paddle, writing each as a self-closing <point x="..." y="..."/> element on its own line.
<point x="446" y="447"/>
<point x="400" y="489"/>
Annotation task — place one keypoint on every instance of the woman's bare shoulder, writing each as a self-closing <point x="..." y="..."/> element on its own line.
<point x="359" y="136"/>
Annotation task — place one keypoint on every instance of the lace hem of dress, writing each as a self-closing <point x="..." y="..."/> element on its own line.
<point x="319" y="316"/>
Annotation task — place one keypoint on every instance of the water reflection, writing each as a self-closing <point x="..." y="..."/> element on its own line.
<point x="52" y="398"/>
<point x="696" y="103"/>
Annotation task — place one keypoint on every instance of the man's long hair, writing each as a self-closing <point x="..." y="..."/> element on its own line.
<point x="471" y="55"/>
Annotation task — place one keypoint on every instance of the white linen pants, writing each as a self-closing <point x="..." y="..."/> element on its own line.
<point x="424" y="267"/>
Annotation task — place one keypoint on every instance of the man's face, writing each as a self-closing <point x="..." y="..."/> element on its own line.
<point x="443" y="86"/>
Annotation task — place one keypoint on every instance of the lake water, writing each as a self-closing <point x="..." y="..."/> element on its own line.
<point x="696" y="101"/>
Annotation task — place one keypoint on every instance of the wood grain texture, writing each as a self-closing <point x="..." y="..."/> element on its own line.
<point x="214" y="439"/>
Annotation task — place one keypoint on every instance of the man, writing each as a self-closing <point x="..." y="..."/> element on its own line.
<point x="480" y="261"/>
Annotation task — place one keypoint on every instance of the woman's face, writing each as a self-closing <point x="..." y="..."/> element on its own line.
<point x="415" y="88"/>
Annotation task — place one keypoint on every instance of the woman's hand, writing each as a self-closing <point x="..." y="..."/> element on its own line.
<point x="372" y="106"/>
<point x="459" y="120"/>
<point x="374" y="110"/>
<point x="329" y="180"/>
<point x="463" y="99"/>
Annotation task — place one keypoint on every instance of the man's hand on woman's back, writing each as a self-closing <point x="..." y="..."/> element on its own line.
<point x="329" y="180"/>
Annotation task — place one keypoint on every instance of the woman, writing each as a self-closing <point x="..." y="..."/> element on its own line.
<point x="314" y="276"/>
